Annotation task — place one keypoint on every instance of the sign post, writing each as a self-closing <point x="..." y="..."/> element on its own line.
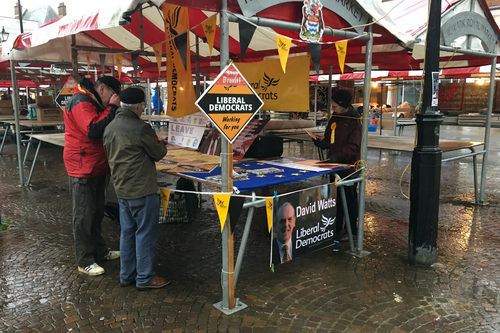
<point x="230" y="103"/>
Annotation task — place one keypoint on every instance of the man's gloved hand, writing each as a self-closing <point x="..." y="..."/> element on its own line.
<point x="317" y="142"/>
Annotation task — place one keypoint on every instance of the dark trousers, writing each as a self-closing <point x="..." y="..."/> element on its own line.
<point x="351" y="196"/>
<point x="88" y="196"/>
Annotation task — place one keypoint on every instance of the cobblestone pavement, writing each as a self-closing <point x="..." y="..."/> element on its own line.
<point x="328" y="291"/>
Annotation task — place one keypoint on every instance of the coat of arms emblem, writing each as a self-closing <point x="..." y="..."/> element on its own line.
<point x="312" y="21"/>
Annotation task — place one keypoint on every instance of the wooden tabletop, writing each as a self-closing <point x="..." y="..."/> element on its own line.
<point x="395" y="142"/>
<point x="407" y="144"/>
<point x="6" y="117"/>
<point x="54" y="138"/>
<point x="36" y="123"/>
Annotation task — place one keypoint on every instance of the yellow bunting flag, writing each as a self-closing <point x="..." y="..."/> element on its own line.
<point x="283" y="44"/>
<point x="222" y="205"/>
<point x="157" y="49"/>
<point x="88" y="61"/>
<point x="165" y="196"/>
<point x="332" y="137"/>
<point x="209" y="27"/>
<point x="341" y="53"/>
<point x="269" y="211"/>
<point x="119" y="63"/>
<point x="181" y="95"/>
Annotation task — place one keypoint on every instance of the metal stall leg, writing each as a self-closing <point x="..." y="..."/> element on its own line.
<point x="474" y="167"/>
<point x="7" y="129"/>
<point x="244" y="240"/>
<point x="347" y="219"/>
<point x="33" y="164"/>
<point x="28" y="147"/>
<point x="199" y="195"/>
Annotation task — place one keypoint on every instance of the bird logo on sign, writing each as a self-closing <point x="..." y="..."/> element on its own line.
<point x="221" y="203"/>
<point x="270" y="82"/>
<point x="327" y="221"/>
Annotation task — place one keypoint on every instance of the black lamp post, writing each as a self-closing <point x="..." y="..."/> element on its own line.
<point x="5" y="35"/>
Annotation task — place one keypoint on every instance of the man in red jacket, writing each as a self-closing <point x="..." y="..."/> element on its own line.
<point x="343" y="141"/>
<point x="91" y="108"/>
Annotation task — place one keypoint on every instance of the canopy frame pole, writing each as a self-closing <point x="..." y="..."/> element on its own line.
<point x="148" y="100"/>
<point x="15" y="102"/>
<point x="329" y="91"/>
<point x="396" y="108"/>
<point x="364" y="145"/>
<point x="271" y="23"/>
<point x="228" y="305"/>
<point x="315" y="106"/>
<point x="74" y="58"/>
<point x="487" y="130"/>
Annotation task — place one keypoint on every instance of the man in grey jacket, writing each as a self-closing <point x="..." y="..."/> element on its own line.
<point x="132" y="148"/>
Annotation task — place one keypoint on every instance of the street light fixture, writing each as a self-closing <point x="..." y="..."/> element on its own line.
<point x="5" y="35"/>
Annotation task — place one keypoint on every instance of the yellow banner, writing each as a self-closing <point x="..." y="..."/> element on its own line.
<point x="209" y="27"/>
<point x="181" y="95"/>
<point x="165" y="196"/>
<point x="283" y="44"/>
<point x="269" y="211"/>
<point x="119" y="63"/>
<point x="88" y="61"/>
<point x="280" y="91"/>
<point x="222" y="205"/>
<point x="341" y="53"/>
<point x="157" y="49"/>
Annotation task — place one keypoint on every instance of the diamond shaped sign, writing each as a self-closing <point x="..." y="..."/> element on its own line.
<point x="230" y="102"/>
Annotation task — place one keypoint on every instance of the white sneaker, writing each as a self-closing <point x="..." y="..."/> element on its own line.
<point x="111" y="255"/>
<point x="93" y="270"/>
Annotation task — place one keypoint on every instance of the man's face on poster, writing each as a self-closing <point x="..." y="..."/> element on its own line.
<point x="285" y="223"/>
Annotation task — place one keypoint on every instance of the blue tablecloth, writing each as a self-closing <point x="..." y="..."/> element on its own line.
<point x="258" y="181"/>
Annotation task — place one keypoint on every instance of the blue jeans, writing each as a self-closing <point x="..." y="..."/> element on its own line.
<point x="139" y="234"/>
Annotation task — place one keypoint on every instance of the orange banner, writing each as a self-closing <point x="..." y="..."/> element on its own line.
<point x="181" y="95"/>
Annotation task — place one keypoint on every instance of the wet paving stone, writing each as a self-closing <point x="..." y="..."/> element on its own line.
<point x="328" y="291"/>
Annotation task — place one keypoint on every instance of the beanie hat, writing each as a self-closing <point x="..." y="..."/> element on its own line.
<point x="132" y="95"/>
<point x="111" y="82"/>
<point x="342" y="98"/>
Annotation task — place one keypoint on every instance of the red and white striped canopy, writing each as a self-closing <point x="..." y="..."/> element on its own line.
<point x="101" y="29"/>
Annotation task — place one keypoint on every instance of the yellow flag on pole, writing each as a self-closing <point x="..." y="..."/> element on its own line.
<point x="165" y="196"/>
<point x="341" y="53"/>
<point x="157" y="49"/>
<point x="269" y="211"/>
<point x="222" y="205"/>
<point x="209" y="27"/>
<point x="283" y="44"/>
<point x="181" y="95"/>
<point x="119" y="63"/>
<point x="88" y="61"/>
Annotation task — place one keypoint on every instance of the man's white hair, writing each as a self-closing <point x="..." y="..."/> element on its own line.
<point x="129" y="106"/>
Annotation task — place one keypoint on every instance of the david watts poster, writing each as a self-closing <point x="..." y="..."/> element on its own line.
<point x="303" y="222"/>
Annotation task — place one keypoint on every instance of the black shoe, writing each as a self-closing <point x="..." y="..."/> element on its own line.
<point x="127" y="283"/>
